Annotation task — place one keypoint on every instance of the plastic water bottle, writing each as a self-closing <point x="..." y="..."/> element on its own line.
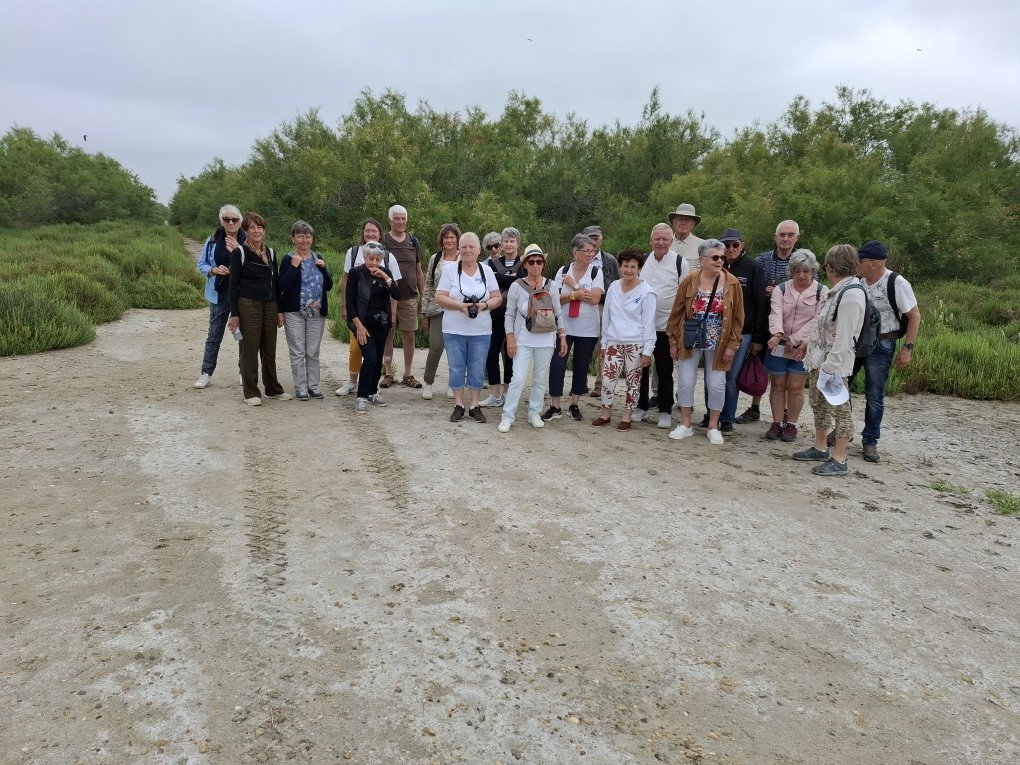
<point x="237" y="335"/>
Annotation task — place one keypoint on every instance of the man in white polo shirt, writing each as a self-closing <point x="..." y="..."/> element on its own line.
<point x="663" y="270"/>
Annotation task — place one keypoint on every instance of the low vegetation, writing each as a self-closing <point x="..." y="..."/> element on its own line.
<point x="58" y="282"/>
<point x="1004" y="502"/>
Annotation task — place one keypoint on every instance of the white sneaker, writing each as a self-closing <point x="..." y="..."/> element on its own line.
<point x="715" y="437"/>
<point x="504" y="425"/>
<point x="681" y="432"/>
<point x="253" y="401"/>
<point x="426" y="391"/>
<point x="665" y="420"/>
<point x="638" y="415"/>
<point x="346" y="389"/>
<point x="536" y="421"/>
<point x="203" y="380"/>
<point x="361" y="406"/>
<point x="449" y="392"/>
<point x="282" y="396"/>
<point x="493" y="401"/>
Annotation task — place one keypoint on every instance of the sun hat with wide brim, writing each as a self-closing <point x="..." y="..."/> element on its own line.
<point x="685" y="211"/>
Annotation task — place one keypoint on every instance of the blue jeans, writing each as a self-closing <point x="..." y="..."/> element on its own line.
<point x="523" y="359"/>
<point x="218" y="315"/>
<point x="876" y="372"/>
<point x="729" y="410"/>
<point x="466" y="356"/>
<point x="584" y="348"/>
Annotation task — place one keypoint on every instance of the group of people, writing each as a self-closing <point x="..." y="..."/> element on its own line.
<point x="686" y="303"/>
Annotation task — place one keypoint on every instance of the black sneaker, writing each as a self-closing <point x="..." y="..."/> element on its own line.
<point x="575" y="413"/>
<point x="458" y="413"/>
<point x="653" y="403"/>
<point x="475" y="413"/>
<point x="751" y="414"/>
<point x="725" y="427"/>
<point x="704" y="422"/>
<point x="552" y="413"/>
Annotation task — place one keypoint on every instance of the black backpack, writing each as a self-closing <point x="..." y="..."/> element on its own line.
<point x="891" y="294"/>
<point x="867" y="339"/>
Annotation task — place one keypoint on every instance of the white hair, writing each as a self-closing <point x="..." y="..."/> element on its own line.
<point x="230" y="209"/>
<point x="397" y="210"/>
<point x="469" y="235"/>
<point x="666" y="226"/>
<point x="784" y="222"/>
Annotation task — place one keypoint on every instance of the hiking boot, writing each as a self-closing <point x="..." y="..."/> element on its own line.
<point x="552" y="413"/>
<point x="811" y="455"/>
<point x="871" y="453"/>
<point x="476" y="414"/>
<point x="751" y="414"/>
<point x="831" y="467"/>
<point x="774" y="432"/>
<point x="575" y="413"/>
<point x="789" y="434"/>
<point x="458" y="414"/>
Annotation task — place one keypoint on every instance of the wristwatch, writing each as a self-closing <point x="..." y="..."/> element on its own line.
<point x="908" y="346"/>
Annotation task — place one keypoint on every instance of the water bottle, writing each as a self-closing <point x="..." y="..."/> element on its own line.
<point x="237" y="335"/>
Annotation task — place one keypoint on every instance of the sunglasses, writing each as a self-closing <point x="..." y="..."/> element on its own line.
<point x="492" y="246"/>
<point x="732" y="245"/>
<point x="230" y="220"/>
<point x="534" y="262"/>
<point x="715" y="257"/>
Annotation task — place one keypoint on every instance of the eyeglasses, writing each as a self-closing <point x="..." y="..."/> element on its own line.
<point x="733" y="245"/>
<point x="492" y="246"/>
<point x="586" y="251"/>
<point x="715" y="257"/>
<point x="534" y="262"/>
<point x="230" y="220"/>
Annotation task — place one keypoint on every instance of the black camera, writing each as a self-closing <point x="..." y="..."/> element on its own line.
<point x="472" y="306"/>
<point x="381" y="319"/>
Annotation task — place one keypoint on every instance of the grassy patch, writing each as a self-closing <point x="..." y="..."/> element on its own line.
<point x="948" y="488"/>
<point x="1004" y="502"/>
<point x="61" y="281"/>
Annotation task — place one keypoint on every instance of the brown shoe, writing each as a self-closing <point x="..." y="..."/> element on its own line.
<point x="596" y="392"/>
<point x="871" y="453"/>
<point x="623" y="425"/>
<point x="409" y="381"/>
<point x="386" y="381"/>
<point x="600" y="422"/>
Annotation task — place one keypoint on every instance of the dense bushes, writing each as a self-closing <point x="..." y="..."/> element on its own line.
<point x="58" y="282"/>
<point x="52" y="182"/>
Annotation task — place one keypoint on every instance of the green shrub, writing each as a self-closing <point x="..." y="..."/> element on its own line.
<point x="90" y="296"/>
<point x="164" y="291"/>
<point x="32" y="321"/>
<point x="1004" y="502"/>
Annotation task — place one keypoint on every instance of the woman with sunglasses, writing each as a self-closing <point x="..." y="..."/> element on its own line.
<point x="214" y="265"/>
<point x="449" y="237"/>
<point x="712" y="297"/>
<point x="530" y="349"/>
<point x="507" y="267"/>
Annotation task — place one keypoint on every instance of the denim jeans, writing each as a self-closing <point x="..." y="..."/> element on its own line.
<point x="729" y="410"/>
<point x="218" y="315"/>
<point x="465" y="355"/>
<point x="876" y="372"/>
<point x="584" y="348"/>
<point x="524" y="357"/>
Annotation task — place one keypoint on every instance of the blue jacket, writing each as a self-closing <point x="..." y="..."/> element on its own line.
<point x="289" y="285"/>
<point x="214" y="253"/>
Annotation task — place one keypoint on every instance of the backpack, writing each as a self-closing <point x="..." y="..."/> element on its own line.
<point x="866" y="341"/>
<point x="818" y="290"/>
<point x="563" y="272"/>
<point x="891" y="293"/>
<point x="541" y="309"/>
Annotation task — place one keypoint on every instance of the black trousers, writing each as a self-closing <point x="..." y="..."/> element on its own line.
<point x="497" y="348"/>
<point x="664" y="365"/>
<point x="371" y="359"/>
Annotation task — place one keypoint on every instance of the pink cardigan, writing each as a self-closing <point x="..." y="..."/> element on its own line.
<point x="794" y="313"/>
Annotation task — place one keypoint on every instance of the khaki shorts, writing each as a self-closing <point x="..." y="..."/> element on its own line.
<point x="407" y="314"/>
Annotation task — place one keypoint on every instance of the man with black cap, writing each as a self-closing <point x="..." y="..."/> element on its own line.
<point x="894" y="298"/>
<point x="684" y="242"/>
<point x="610" y="272"/>
<point x="756" y="316"/>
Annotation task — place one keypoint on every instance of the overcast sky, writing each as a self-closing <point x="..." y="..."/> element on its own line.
<point x="164" y="88"/>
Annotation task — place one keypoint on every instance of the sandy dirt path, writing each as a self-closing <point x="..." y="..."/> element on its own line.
<point x="185" y="579"/>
